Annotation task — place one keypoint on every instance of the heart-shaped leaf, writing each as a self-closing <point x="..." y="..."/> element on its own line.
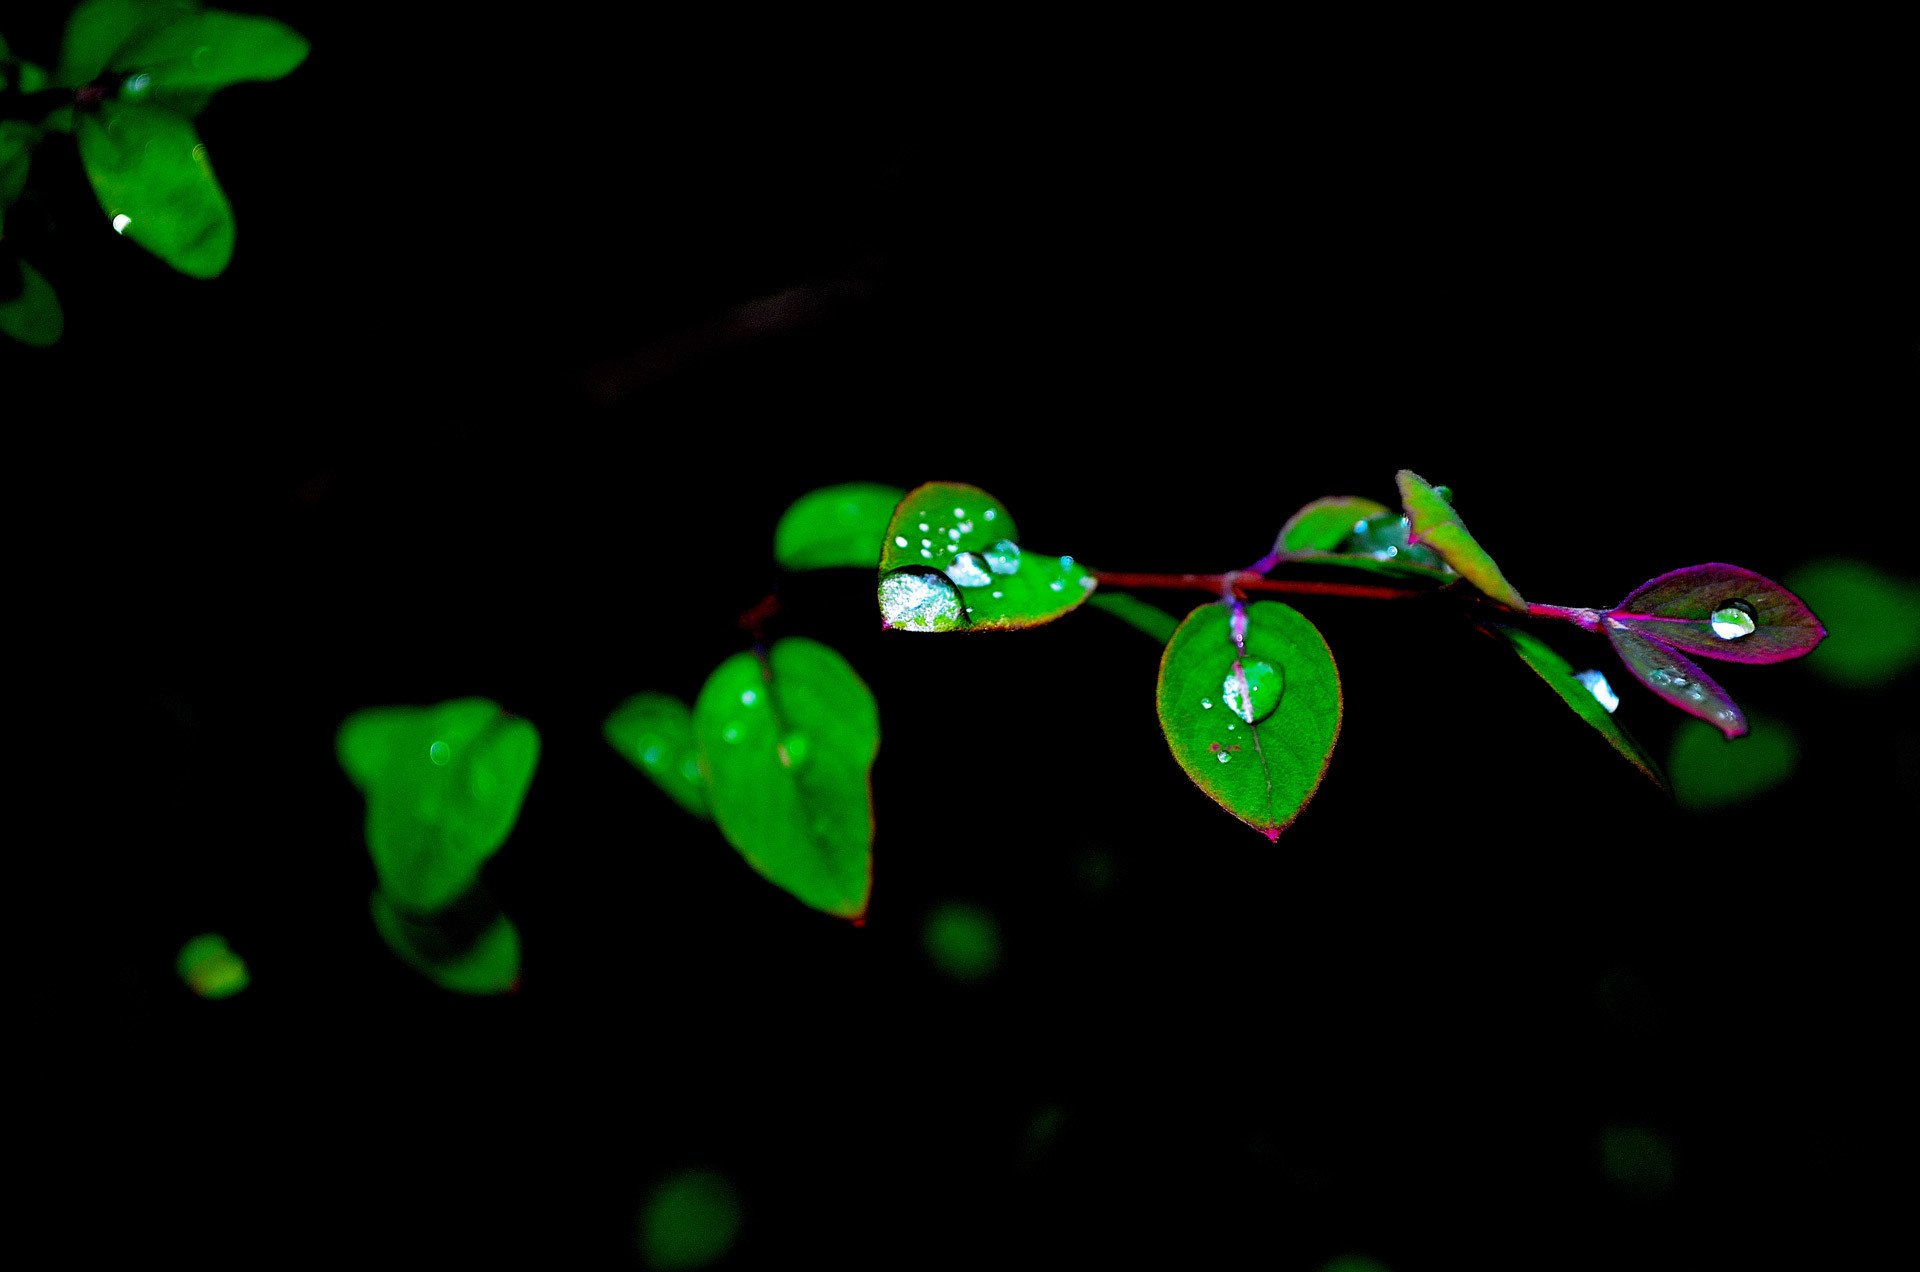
<point x="455" y="953"/>
<point x="1675" y="677"/>
<point x="444" y="786"/>
<point x="154" y="182"/>
<point x="1713" y="772"/>
<point x="787" y="743"/>
<point x="951" y="560"/>
<point x="1357" y="533"/>
<point x="840" y="525"/>
<point x="1721" y="611"/>
<point x="1586" y="692"/>
<point x="1438" y="526"/>
<point x="654" y="731"/>
<point x="33" y="315"/>
<point x="1252" y="724"/>
<point x="209" y="50"/>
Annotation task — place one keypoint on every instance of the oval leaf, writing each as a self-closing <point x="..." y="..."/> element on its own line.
<point x="655" y="733"/>
<point x="154" y="182"/>
<point x="787" y="744"/>
<point x="1874" y="616"/>
<point x="951" y="560"/>
<point x="1265" y="768"/>
<point x="444" y="786"/>
<point x="1579" y="691"/>
<point x="17" y="138"/>
<point x="836" y="526"/>
<point x="1324" y="524"/>
<point x="1675" y="677"/>
<point x="1714" y="772"/>
<point x="33" y="317"/>
<point x="210" y="50"/>
<point x="1722" y="611"/>
<point x="486" y="961"/>
<point x="98" y="29"/>
<point x="1437" y="526"/>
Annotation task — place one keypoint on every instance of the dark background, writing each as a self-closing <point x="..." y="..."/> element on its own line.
<point x="534" y="328"/>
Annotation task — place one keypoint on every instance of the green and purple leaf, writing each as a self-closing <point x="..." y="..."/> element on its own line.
<point x="834" y="526"/>
<point x="1436" y="525"/>
<point x="787" y="743"/>
<point x="1675" y="677"/>
<point x="1253" y="725"/>
<point x="654" y="731"/>
<point x="951" y="560"/>
<point x="1582" y="692"/>
<point x="1720" y="611"/>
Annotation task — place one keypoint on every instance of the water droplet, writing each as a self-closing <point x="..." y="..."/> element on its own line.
<point x="991" y="514"/>
<point x="1597" y="685"/>
<point x="1253" y="690"/>
<point x="1003" y="557"/>
<point x="999" y="595"/>
<point x="1066" y="563"/>
<point x="120" y="222"/>
<point x="137" y="84"/>
<point x="650" y="753"/>
<point x="966" y="527"/>
<point x="1056" y="585"/>
<point x="793" y="750"/>
<point x="748" y="697"/>
<point x="900" y="540"/>
<point x="960" y="512"/>
<point x="441" y="753"/>
<point x="1206" y="704"/>
<point x="1733" y="620"/>
<point x="968" y="570"/>
<point x="920" y="601"/>
<point x="923" y="526"/>
<point x="926" y="543"/>
<point x="731" y="733"/>
<point x="1223" y="757"/>
<point x="953" y="535"/>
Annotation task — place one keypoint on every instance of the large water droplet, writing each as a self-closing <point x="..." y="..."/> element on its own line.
<point x="1596" y="683"/>
<point x="1253" y="691"/>
<point x="968" y="570"/>
<point x="1733" y="620"/>
<point x="920" y="601"/>
<point x="1003" y="557"/>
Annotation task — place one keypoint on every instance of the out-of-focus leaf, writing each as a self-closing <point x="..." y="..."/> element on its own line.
<point x="212" y="49"/>
<point x="963" y="940"/>
<point x="209" y="967"/>
<point x="16" y="150"/>
<point x="834" y="526"/>
<point x="1324" y="524"/>
<point x="654" y="731"/>
<point x="1872" y="619"/>
<point x="155" y="183"/>
<point x="1721" y="611"/>
<point x="1710" y="771"/>
<point x="33" y="316"/>
<point x="1150" y="619"/>
<point x="787" y="742"/>
<point x="444" y="786"/>
<point x="1438" y="526"/>
<point x="951" y="560"/>
<point x="691" y="1219"/>
<point x="485" y="963"/>
<point x="98" y="29"/>
<point x="1580" y="692"/>
<point x="1254" y="729"/>
<point x="1675" y="677"/>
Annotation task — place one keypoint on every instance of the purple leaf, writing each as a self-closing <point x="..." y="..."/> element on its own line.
<point x="1721" y="611"/>
<point x="1675" y="677"/>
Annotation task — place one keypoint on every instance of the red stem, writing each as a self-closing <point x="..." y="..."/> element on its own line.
<point x="1218" y="583"/>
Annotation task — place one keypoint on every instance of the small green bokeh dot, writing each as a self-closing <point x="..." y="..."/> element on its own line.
<point x="210" y="968"/>
<point x="963" y="940"/>
<point x="1353" y="1263"/>
<point x="1639" y="1160"/>
<point x="691" y="1219"/>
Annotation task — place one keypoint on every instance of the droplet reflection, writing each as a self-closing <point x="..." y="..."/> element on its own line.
<point x="1733" y="620"/>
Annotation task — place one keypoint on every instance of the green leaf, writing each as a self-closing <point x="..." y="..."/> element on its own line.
<point x="951" y="560"/>
<point x="1587" y="692"/>
<point x="16" y="150"/>
<point x="444" y="786"/>
<point x="211" y="50"/>
<point x="155" y="183"/>
<point x="1324" y="524"/>
<point x="1436" y="525"/>
<point x="1253" y="728"/>
<point x="33" y="317"/>
<point x="209" y="967"/>
<point x="787" y="742"/>
<point x="963" y="940"/>
<point x="1150" y="619"/>
<point x="97" y="30"/>
<point x="654" y="731"/>
<point x="1872" y="617"/>
<point x="487" y="962"/>
<point x="836" y="526"/>
<point x="1710" y="771"/>
<point x="691" y="1219"/>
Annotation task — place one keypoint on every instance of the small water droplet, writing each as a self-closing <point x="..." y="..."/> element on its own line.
<point x="966" y="527"/>
<point x="137" y="84"/>
<point x="651" y="753"/>
<point x="999" y="596"/>
<point x="923" y="526"/>
<point x="794" y="749"/>
<point x="1596" y="683"/>
<point x="968" y="570"/>
<point x="1003" y="557"/>
<point x="1253" y="689"/>
<point x="1223" y="757"/>
<point x="1733" y="620"/>
<point x="926" y="543"/>
<point x="731" y="733"/>
<point x="1206" y="704"/>
<point x="1056" y="585"/>
<point x="440" y="753"/>
<point x="120" y="222"/>
<point x="954" y="535"/>
<point x="960" y="512"/>
<point x="920" y="601"/>
<point x="991" y="514"/>
<point x="748" y="697"/>
<point x="900" y="540"/>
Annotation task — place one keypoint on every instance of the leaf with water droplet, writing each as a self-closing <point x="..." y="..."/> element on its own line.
<point x="33" y="316"/>
<point x="1578" y="694"/>
<point x="1324" y="524"/>
<point x="787" y="742"/>
<point x="834" y="526"/>
<point x="1356" y="533"/>
<point x="443" y="785"/>
<point x="1262" y="772"/>
<point x="1872" y="618"/>
<point x="654" y="731"/>
<point x="98" y="30"/>
<point x="153" y="180"/>
<point x="952" y="560"/>
<point x="1438" y="526"/>
<point x="211" y="49"/>
<point x="1675" y="677"/>
<point x="1710" y="771"/>
<point x="474" y="952"/>
<point x="1721" y="611"/>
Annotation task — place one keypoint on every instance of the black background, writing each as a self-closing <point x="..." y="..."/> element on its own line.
<point x="535" y="326"/>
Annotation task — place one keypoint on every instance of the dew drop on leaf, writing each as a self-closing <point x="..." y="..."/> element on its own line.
<point x="1733" y="620"/>
<point x="1252" y="690"/>
<point x="919" y="601"/>
<point x="968" y="570"/>
<point x="1003" y="557"/>
<point x="1596" y="683"/>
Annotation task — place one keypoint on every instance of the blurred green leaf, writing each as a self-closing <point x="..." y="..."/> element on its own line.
<point x="212" y="49"/>
<point x="153" y="180"/>
<point x="1721" y="611"/>
<point x="690" y="1219"/>
<point x="1438" y="526"/>
<point x="1872" y="619"/>
<point x="1324" y="524"/>
<point x="834" y="526"/>
<point x="98" y="29"/>
<point x="444" y="786"/>
<point x="951" y="560"/>
<point x="1150" y="619"/>
<point x="787" y="741"/>
<point x="1710" y="771"/>
<point x="1580" y="691"/>
<point x="654" y="731"/>
<point x="1255" y="730"/>
<point x="33" y="316"/>
<point x="486" y="963"/>
<point x="1637" y="1159"/>
<point x="210" y="968"/>
<point x="963" y="940"/>
<point x="17" y="137"/>
<point x="1676" y="678"/>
